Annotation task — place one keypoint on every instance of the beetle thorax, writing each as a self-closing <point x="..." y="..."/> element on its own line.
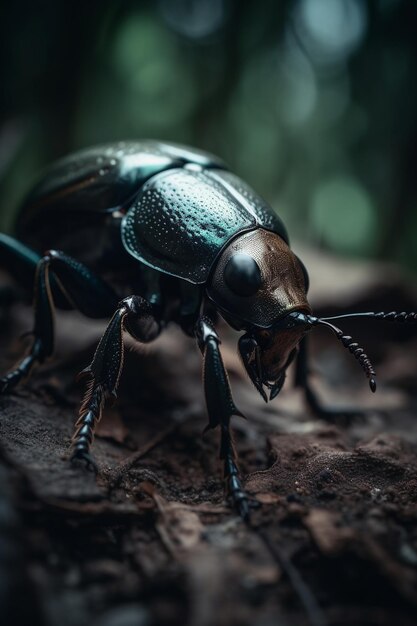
<point x="257" y="280"/>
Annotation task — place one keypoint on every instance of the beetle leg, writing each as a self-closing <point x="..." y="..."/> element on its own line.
<point x="221" y="407"/>
<point x="331" y="415"/>
<point x="104" y="371"/>
<point x="43" y="343"/>
<point x="80" y="287"/>
<point x="134" y="314"/>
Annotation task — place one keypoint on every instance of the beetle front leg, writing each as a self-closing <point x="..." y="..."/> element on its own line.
<point x="221" y="407"/>
<point x="135" y="316"/>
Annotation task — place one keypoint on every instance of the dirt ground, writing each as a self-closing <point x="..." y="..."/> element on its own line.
<point x="151" y="540"/>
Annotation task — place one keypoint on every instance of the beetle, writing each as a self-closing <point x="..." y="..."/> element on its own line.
<point x="147" y="233"/>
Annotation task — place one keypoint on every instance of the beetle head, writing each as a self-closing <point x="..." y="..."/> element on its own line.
<point x="257" y="282"/>
<point x="260" y="286"/>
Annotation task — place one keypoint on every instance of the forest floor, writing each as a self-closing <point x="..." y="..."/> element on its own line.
<point x="151" y="541"/>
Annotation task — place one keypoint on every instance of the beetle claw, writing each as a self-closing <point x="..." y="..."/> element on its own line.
<point x="80" y="456"/>
<point x="4" y="386"/>
<point x="8" y="382"/>
<point x="243" y="508"/>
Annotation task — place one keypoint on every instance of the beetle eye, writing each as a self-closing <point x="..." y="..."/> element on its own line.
<point x="242" y="275"/>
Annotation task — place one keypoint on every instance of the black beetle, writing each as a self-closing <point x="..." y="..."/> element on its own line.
<point x="172" y="226"/>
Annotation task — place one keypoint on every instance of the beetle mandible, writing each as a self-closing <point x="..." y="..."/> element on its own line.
<point x="146" y="233"/>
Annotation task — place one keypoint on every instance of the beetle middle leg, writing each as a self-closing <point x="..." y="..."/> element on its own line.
<point x="61" y="277"/>
<point x="135" y="315"/>
<point x="221" y="407"/>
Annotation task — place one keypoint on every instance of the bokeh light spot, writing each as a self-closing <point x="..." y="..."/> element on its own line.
<point x="330" y="30"/>
<point x="343" y="216"/>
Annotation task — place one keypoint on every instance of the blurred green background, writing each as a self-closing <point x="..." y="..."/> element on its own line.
<point x="313" y="102"/>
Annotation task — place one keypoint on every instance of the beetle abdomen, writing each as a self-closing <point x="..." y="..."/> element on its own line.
<point x="103" y="178"/>
<point x="70" y="207"/>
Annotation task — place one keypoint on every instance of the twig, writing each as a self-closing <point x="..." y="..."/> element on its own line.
<point x="132" y="459"/>
<point x="303" y="591"/>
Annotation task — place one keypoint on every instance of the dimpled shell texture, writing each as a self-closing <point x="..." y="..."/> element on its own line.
<point x="267" y="218"/>
<point x="180" y="222"/>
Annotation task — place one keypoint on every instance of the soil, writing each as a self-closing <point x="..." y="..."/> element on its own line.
<point x="151" y="539"/>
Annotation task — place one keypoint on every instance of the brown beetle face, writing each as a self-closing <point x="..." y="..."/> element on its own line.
<point x="266" y="356"/>
<point x="257" y="282"/>
<point x="277" y="348"/>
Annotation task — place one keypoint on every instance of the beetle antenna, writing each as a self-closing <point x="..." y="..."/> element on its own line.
<point x="354" y="348"/>
<point x="393" y="316"/>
